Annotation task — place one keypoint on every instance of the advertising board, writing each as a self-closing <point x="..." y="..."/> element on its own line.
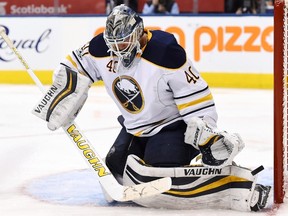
<point x="219" y="45"/>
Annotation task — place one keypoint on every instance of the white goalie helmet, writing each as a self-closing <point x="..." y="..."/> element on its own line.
<point x="124" y="28"/>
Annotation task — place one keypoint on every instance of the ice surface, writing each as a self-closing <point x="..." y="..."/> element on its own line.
<point x="42" y="174"/>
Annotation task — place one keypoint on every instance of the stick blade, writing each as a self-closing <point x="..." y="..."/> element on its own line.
<point x="144" y="190"/>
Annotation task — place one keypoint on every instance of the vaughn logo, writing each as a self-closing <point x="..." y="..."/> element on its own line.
<point x="202" y="171"/>
<point x="39" y="44"/>
<point x="46" y="99"/>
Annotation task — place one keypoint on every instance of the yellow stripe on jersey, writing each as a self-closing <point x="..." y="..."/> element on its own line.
<point x="69" y="58"/>
<point x="194" y="102"/>
<point x="213" y="185"/>
<point x="138" y="133"/>
<point x="149" y="36"/>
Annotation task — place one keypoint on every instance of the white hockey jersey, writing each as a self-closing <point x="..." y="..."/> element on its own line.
<point x="161" y="87"/>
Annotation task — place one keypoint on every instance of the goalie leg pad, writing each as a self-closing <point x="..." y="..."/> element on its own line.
<point x="198" y="187"/>
<point x="65" y="98"/>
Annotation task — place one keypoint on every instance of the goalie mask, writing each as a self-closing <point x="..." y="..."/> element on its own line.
<point x="124" y="29"/>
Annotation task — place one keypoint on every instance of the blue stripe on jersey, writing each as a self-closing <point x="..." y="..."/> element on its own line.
<point x="202" y="108"/>
<point x="184" y="96"/>
<point x="158" y="123"/>
<point x="152" y="129"/>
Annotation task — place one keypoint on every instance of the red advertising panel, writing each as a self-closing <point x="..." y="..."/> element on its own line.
<point x="51" y="7"/>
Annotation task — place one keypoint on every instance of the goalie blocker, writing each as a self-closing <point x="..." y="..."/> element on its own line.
<point x="198" y="187"/>
<point x="65" y="98"/>
<point x="218" y="148"/>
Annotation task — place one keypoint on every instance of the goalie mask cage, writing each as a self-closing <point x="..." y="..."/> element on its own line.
<point x="280" y="100"/>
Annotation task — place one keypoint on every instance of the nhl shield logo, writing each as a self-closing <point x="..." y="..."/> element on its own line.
<point x="128" y="93"/>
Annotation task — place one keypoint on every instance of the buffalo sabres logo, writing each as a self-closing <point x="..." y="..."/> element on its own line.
<point x="129" y="94"/>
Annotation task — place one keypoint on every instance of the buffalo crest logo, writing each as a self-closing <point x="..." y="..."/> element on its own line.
<point x="128" y="93"/>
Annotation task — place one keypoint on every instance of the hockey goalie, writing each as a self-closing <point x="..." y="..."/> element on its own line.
<point x="168" y="117"/>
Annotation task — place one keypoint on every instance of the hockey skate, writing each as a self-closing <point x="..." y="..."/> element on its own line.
<point x="260" y="197"/>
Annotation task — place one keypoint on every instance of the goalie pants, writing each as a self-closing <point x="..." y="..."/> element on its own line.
<point x="165" y="149"/>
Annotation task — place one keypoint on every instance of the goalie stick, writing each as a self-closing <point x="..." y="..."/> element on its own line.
<point x="111" y="186"/>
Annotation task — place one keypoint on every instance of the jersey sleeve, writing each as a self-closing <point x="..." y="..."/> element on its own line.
<point x="81" y="61"/>
<point x="83" y="58"/>
<point x="191" y="94"/>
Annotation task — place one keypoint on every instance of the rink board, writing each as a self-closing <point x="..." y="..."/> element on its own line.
<point x="230" y="51"/>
